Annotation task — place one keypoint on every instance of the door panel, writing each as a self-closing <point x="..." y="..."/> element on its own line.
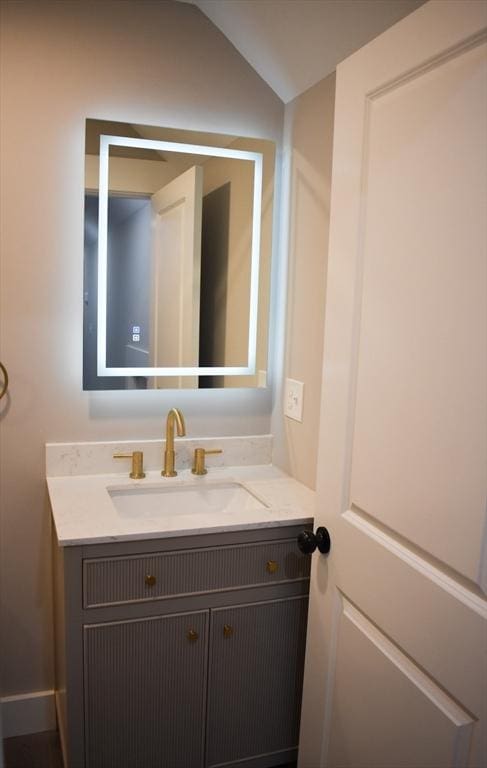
<point x="177" y="209"/>
<point x="419" y="449"/>
<point x="396" y="668"/>
<point x="383" y="705"/>
<point x="441" y="624"/>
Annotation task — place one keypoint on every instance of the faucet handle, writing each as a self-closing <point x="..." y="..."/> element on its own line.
<point x="198" y="467"/>
<point x="137" y="457"/>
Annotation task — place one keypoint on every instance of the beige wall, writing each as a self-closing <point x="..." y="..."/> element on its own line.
<point x="141" y="62"/>
<point x="308" y="150"/>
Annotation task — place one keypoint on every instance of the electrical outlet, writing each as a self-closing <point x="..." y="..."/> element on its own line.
<point x="293" y="399"/>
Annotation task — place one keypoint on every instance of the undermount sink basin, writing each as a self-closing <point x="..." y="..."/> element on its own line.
<point x="191" y="499"/>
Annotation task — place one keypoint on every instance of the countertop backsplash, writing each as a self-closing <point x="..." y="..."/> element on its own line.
<point x="65" y="459"/>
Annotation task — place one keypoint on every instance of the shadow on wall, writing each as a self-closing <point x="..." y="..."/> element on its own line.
<point x="214" y="281"/>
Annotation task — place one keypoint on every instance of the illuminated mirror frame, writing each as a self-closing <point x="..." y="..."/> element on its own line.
<point x="193" y="149"/>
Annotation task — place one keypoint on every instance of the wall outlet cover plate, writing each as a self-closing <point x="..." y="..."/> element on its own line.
<point x="293" y="399"/>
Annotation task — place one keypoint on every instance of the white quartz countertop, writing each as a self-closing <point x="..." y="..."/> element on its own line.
<point x="84" y="512"/>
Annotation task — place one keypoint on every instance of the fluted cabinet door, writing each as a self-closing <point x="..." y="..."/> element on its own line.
<point x="145" y="683"/>
<point x="255" y="679"/>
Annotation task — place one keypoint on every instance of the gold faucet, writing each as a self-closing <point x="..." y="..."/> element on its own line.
<point x="173" y="417"/>
<point x="137" y="457"/>
<point x="199" y="460"/>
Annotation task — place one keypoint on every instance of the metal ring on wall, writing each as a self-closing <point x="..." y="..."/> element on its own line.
<point x="5" y="380"/>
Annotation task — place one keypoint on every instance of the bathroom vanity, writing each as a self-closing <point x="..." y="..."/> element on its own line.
<point x="183" y="647"/>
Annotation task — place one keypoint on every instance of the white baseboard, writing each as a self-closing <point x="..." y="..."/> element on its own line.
<point x="28" y="713"/>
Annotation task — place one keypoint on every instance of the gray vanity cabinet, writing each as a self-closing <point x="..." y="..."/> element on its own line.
<point x="182" y="653"/>
<point x="256" y="677"/>
<point x="145" y="691"/>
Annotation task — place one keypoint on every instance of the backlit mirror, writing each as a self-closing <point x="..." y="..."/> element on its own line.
<point x="178" y="228"/>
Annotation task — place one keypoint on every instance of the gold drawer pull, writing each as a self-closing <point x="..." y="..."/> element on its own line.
<point x="227" y="630"/>
<point x="150" y="580"/>
<point x="272" y="566"/>
<point x="192" y="634"/>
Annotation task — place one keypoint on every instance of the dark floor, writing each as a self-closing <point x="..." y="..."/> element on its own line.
<point x="37" y="750"/>
<point x="42" y="750"/>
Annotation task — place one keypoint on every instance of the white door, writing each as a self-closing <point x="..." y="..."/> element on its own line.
<point x="177" y="211"/>
<point x="397" y="645"/>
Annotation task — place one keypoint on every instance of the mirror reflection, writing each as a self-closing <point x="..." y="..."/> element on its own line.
<point x="176" y="259"/>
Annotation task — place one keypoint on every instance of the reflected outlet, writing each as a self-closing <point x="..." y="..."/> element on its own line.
<point x="293" y="399"/>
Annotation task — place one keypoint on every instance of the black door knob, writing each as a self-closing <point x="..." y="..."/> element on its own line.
<point x="308" y="541"/>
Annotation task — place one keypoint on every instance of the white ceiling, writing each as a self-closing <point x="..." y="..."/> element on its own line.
<point x="293" y="44"/>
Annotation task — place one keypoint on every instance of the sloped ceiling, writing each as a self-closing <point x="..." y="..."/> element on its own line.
<point x="293" y="44"/>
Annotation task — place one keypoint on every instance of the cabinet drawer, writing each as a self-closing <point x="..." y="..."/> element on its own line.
<point x="158" y="576"/>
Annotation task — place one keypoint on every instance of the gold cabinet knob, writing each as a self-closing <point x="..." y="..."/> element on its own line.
<point x="272" y="566"/>
<point x="193" y="635"/>
<point x="150" y="580"/>
<point x="227" y="630"/>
